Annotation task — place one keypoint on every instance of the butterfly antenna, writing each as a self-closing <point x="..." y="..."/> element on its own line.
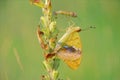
<point x="88" y="28"/>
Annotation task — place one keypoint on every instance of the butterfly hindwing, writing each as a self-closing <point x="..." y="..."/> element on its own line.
<point x="70" y="57"/>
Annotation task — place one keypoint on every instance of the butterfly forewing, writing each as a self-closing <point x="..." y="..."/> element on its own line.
<point x="74" y="40"/>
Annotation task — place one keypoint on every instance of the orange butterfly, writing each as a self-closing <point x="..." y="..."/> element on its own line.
<point x="70" y="53"/>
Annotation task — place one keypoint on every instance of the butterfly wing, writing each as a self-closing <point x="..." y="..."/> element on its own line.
<point x="74" y="40"/>
<point x="73" y="64"/>
<point x="71" y="57"/>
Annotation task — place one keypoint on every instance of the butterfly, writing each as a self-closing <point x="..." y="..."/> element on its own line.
<point x="70" y="52"/>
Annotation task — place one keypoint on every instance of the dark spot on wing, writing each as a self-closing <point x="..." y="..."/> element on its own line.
<point x="70" y="48"/>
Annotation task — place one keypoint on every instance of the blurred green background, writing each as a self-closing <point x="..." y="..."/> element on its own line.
<point x="20" y="53"/>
